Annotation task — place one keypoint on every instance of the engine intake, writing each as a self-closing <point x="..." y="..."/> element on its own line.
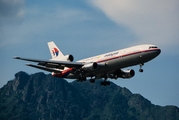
<point x="126" y="73"/>
<point x="69" y="58"/>
<point x="90" y="66"/>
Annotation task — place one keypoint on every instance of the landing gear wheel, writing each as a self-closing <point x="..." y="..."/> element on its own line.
<point x="102" y="83"/>
<point x="92" y="80"/>
<point x="141" y="70"/>
<point x="105" y="83"/>
<point x="108" y="83"/>
<point x="81" y="79"/>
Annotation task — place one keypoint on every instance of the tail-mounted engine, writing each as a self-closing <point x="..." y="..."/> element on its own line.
<point x="69" y="58"/>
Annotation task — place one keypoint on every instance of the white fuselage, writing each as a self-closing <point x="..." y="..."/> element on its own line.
<point x="121" y="58"/>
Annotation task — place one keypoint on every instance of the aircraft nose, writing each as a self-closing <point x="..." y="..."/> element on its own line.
<point x="158" y="51"/>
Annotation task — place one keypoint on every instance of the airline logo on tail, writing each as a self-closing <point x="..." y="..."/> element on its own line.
<point x="55" y="52"/>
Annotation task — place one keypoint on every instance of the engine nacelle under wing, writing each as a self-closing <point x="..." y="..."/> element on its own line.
<point x="126" y="73"/>
<point x="90" y="66"/>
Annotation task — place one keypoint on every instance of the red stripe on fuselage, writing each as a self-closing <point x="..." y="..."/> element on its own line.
<point x="63" y="74"/>
<point x="125" y="55"/>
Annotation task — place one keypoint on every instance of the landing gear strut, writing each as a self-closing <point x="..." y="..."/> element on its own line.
<point x="81" y="76"/>
<point x="105" y="82"/>
<point x="141" y="70"/>
<point x="92" y="80"/>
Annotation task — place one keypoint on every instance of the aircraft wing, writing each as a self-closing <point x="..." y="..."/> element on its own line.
<point x="44" y="68"/>
<point x="51" y="64"/>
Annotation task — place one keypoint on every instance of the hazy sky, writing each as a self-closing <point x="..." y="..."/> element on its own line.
<point x="90" y="27"/>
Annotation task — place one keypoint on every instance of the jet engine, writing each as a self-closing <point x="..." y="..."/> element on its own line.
<point x="69" y="58"/>
<point x="126" y="73"/>
<point x="90" y="66"/>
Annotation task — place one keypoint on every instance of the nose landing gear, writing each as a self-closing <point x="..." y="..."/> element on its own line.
<point x="141" y="70"/>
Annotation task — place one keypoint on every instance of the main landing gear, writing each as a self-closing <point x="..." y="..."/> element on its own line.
<point x="105" y="82"/>
<point x="141" y="70"/>
<point x="92" y="80"/>
<point x="81" y="79"/>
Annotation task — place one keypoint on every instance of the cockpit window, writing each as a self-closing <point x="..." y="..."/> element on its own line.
<point x="152" y="47"/>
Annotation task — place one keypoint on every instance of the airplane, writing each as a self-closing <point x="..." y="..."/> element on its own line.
<point x="109" y="65"/>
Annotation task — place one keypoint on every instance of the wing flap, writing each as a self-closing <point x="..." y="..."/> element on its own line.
<point x="44" y="68"/>
<point x="51" y="65"/>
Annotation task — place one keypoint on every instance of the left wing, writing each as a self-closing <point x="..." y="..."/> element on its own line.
<point x="50" y="65"/>
<point x="44" y="68"/>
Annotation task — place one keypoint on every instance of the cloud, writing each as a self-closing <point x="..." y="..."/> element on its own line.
<point x="11" y="13"/>
<point x="38" y="22"/>
<point x="152" y="21"/>
<point x="11" y="9"/>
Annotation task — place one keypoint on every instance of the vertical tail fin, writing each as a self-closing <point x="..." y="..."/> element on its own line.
<point x="54" y="51"/>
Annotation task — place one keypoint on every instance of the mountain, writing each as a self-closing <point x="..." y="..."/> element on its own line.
<point x="43" y="97"/>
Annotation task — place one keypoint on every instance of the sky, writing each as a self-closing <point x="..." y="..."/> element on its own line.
<point x="85" y="28"/>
